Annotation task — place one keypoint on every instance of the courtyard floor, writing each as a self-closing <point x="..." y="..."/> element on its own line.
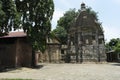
<point x="90" y="71"/>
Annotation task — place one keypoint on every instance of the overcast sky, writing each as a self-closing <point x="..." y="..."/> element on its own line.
<point x="108" y="13"/>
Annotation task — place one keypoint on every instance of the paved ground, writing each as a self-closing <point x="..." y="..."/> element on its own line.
<point x="89" y="71"/>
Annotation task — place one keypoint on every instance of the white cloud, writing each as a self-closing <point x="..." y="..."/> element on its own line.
<point x="111" y="32"/>
<point x="57" y="14"/>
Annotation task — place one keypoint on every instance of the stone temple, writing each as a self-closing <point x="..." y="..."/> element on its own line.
<point x="86" y="38"/>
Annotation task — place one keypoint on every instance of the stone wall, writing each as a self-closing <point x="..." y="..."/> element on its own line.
<point x="52" y="54"/>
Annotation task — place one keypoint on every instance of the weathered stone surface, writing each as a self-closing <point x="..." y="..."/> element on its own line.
<point x="86" y="39"/>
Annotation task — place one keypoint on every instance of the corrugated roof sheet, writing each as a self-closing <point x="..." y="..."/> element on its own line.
<point x="14" y="34"/>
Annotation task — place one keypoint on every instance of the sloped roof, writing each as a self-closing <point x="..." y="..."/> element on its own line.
<point x="22" y="34"/>
<point x="53" y="41"/>
<point x="14" y="34"/>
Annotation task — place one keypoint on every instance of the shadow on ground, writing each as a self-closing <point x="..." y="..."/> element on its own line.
<point x="38" y="67"/>
<point x="115" y="64"/>
<point x="6" y="69"/>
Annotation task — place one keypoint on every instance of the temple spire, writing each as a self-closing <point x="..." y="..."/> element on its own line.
<point x="83" y="7"/>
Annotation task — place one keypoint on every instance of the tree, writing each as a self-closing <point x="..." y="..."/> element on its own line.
<point x="90" y="11"/>
<point x="113" y="44"/>
<point x="36" y="21"/>
<point x="66" y="21"/>
<point x="63" y="25"/>
<point x="117" y="48"/>
<point x="33" y="16"/>
<point x="9" y="18"/>
<point x="61" y="33"/>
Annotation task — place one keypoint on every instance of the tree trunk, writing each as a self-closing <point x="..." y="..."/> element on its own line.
<point x="33" y="58"/>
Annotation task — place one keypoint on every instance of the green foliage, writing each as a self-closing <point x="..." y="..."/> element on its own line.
<point x="9" y="18"/>
<point x="114" y="44"/>
<point x="36" y="18"/>
<point x="66" y="20"/>
<point x="108" y="47"/>
<point x="33" y="16"/>
<point x="64" y="23"/>
<point x="90" y="11"/>
<point x="61" y="33"/>
<point x="117" y="48"/>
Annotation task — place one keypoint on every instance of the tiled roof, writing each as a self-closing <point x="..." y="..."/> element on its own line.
<point x="14" y="34"/>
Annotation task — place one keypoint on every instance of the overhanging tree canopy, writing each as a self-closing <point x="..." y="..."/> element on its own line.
<point x="9" y="17"/>
<point x="33" y="16"/>
<point x="36" y="20"/>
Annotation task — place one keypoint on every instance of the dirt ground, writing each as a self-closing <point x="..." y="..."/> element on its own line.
<point x="90" y="71"/>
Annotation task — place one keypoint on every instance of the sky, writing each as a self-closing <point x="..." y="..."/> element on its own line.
<point x="108" y="14"/>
